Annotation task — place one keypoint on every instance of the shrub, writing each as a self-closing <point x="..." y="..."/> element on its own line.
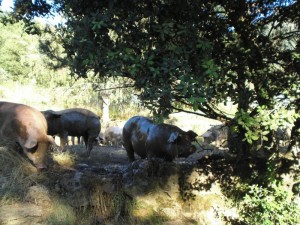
<point x="268" y="206"/>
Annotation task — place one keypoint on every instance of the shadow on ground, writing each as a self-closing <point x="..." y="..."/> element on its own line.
<point x="106" y="189"/>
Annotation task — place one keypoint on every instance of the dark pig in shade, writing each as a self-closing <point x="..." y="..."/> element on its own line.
<point x="147" y="139"/>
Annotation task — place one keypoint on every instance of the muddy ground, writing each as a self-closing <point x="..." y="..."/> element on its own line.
<point x="100" y="155"/>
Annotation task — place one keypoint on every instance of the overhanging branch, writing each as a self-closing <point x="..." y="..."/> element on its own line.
<point x="113" y="88"/>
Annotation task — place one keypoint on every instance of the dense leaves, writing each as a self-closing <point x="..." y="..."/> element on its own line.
<point x="267" y="206"/>
<point x="188" y="54"/>
<point x="20" y="57"/>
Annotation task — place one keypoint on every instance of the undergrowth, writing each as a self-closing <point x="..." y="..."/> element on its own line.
<point x="268" y="206"/>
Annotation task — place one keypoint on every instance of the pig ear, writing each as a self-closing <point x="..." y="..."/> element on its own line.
<point x="173" y="137"/>
<point x="56" y="114"/>
<point x="30" y="145"/>
<point x="50" y="139"/>
<point x="53" y="114"/>
<point x="192" y="134"/>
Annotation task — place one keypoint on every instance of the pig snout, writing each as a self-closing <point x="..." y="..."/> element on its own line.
<point x="37" y="159"/>
<point x="192" y="149"/>
<point x="41" y="167"/>
<point x="37" y="162"/>
<point x="188" y="151"/>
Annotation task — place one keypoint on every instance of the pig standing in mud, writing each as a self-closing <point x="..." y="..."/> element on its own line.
<point x="26" y="126"/>
<point x="74" y="122"/>
<point x="146" y="139"/>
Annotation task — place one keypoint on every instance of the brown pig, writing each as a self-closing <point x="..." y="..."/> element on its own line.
<point x="28" y="127"/>
<point x="146" y="139"/>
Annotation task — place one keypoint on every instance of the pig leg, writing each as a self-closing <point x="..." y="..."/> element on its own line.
<point x="130" y="152"/>
<point x="90" y="144"/>
<point x="63" y="142"/>
<point x="85" y="140"/>
<point x="86" y="143"/>
<point x="73" y="140"/>
<point x="63" y="139"/>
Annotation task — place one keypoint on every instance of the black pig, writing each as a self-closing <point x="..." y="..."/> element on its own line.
<point x="146" y="139"/>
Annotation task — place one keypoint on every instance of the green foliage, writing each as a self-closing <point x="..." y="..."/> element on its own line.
<point x="186" y="55"/>
<point x="266" y="121"/>
<point x="25" y="66"/>
<point x="28" y="9"/>
<point x="268" y="206"/>
<point x="21" y="60"/>
<point x="13" y="50"/>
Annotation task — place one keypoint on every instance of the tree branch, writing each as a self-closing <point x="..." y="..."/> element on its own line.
<point x="113" y="88"/>
<point x="190" y="112"/>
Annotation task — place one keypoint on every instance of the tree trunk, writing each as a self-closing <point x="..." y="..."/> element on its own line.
<point x="295" y="133"/>
<point x="105" y="109"/>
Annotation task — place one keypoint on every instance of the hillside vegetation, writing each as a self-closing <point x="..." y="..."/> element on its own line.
<point x="28" y="76"/>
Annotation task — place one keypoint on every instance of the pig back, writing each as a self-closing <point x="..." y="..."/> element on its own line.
<point x="20" y="122"/>
<point x="79" y="122"/>
<point x="168" y="141"/>
<point x="158" y="143"/>
<point x="28" y="127"/>
<point x="135" y="133"/>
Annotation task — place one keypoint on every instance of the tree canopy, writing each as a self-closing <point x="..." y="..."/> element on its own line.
<point x="189" y="55"/>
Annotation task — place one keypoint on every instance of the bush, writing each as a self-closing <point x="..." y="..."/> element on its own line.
<point x="268" y="206"/>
